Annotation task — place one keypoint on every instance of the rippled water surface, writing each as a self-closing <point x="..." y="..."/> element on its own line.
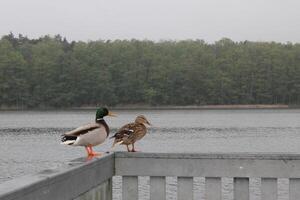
<point x="30" y="141"/>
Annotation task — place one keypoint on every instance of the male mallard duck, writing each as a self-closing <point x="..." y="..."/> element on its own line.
<point x="91" y="134"/>
<point x="132" y="132"/>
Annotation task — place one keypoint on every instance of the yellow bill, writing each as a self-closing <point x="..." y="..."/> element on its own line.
<point x="111" y="114"/>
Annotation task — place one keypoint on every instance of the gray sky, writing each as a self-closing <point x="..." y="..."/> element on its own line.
<point x="211" y="20"/>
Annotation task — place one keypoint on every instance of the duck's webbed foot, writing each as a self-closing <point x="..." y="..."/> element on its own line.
<point x="90" y="152"/>
<point x="94" y="153"/>
<point x="134" y="149"/>
<point x="128" y="150"/>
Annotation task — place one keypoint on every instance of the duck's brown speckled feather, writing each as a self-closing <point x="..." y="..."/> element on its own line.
<point x="130" y="133"/>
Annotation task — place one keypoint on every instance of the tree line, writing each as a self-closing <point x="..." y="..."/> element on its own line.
<point x="51" y="72"/>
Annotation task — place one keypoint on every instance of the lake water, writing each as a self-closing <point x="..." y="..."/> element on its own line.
<point x="30" y="140"/>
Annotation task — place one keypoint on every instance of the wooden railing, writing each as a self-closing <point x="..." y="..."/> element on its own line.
<point x="92" y="180"/>
<point x="82" y="179"/>
<point x="214" y="167"/>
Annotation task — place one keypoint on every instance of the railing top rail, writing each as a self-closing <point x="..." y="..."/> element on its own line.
<point x="208" y="165"/>
<point x="234" y="155"/>
<point x="80" y="174"/>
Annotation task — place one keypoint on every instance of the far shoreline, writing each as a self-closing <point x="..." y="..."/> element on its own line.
<point x="146" y="107"/>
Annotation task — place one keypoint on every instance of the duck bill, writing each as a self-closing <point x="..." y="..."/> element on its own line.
<point x="149" y="123"/>
<point x="111" y="114"/>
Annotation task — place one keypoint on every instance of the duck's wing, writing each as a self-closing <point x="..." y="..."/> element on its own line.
<point x="124" y="132"/>
<point x="93" y="137"/>
<point x="83" y="129"/>
<point x="139" y="131"/>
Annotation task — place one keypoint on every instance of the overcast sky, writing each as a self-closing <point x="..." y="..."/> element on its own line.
<point x="211" y="20"/>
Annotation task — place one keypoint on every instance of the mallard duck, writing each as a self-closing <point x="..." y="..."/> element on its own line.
<point x="91" y="134"/>
<point x="132" y="132"/>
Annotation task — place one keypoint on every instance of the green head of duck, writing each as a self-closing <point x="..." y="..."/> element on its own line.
<point x="102" y="112"/>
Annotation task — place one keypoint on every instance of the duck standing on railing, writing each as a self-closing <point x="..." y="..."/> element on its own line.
<point x="132" y="132"/>
<point x="91" y="134"/>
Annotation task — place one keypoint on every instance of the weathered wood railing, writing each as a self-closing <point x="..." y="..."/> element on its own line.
<point x="240" y="167"/>
<point x="80" y="180"/>
<point x="92" y="180"/>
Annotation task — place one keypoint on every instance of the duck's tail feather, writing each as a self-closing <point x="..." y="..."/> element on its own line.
<point x="116" y="142"/>
<point x="112" y="137"/>
<point x="68" y="139"/>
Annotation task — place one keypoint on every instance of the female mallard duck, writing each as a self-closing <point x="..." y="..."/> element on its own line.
<point x="132" y="132"/>
<point x="91" y="134"/>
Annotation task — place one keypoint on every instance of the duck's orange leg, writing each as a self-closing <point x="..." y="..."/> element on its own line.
<point x="93" y="153"/>
<point x="88" y="151"/>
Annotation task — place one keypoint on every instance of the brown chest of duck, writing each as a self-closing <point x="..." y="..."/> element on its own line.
<point x="91" y="134"/>
<point x="131" y="133"/>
